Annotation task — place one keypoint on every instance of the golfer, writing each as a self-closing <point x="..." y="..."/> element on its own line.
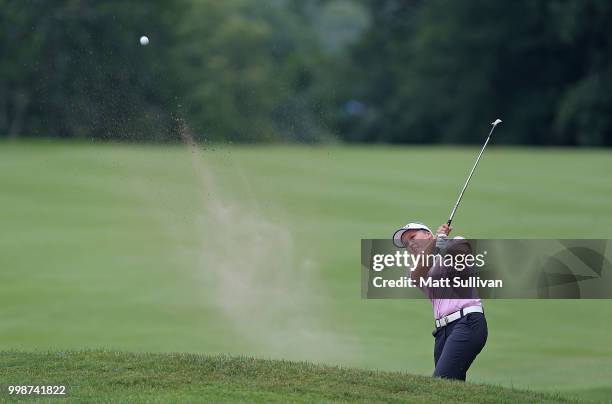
<point x="461" y="328"/>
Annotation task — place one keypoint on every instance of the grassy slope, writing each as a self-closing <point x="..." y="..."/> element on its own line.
<point x="101" y="248"/>
<point x="102" y="376"/>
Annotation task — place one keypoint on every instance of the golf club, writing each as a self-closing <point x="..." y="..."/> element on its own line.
<point x="494" y="124"/>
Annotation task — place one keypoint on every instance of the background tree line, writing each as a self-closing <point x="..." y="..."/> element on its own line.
<point x="395" y="71"/>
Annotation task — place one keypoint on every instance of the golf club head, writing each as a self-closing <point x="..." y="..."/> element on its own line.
<point x="495" y="122"/>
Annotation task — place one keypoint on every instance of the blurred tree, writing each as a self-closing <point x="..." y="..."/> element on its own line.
<point x="371" y="95"/>
<point x="239" y="70"/>
<point x="75" y="68"/>
<point x="585" y="112"/>
<point x="248" y="71"/>
<point x="439" y="71"/>
<point x="415" y="71"/>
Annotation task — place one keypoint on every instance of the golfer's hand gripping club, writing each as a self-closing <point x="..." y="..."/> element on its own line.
<point x="442" y="238"/>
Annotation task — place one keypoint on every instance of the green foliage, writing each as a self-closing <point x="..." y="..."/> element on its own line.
<point x="233" y="70"/>
<point x="286" y="70"/>
<point x="248" y="71"/>
<point x="450" y="67"/>
<point x="584" y="113"/>
<point x="74" y="69"/>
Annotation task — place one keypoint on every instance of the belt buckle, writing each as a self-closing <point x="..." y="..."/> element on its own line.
<point x="443" y="321"/>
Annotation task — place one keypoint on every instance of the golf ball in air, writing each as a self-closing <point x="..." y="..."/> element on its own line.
<point x="144" y="40"/>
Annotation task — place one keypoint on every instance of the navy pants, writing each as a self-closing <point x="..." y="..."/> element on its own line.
<point x="457" y="345"/>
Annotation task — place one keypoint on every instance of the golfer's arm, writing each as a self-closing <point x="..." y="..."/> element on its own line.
<point x="457" y="247"/>
<point x="421" y="270"/>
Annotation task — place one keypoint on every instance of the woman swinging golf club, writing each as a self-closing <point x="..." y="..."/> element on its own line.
<point x="461" y="328"/>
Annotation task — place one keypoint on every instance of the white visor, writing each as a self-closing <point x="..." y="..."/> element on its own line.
<point x="397" y="236"/>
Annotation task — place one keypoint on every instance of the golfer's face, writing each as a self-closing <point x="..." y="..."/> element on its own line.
<point x="414" y="239"/>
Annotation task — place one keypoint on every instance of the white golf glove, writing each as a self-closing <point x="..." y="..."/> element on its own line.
<point x="441" y="244"/>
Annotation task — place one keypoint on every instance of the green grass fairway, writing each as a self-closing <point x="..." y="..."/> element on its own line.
<point x="108" y="376"/>
<point x="255" y="251"/>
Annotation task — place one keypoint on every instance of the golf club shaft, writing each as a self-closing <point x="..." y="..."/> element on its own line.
<point x="450" y="219"/>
